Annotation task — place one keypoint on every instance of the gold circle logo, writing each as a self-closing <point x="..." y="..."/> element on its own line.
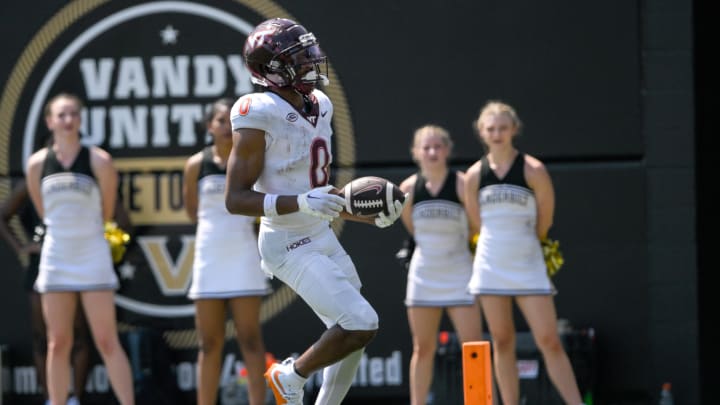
<point x="147" y="72"/>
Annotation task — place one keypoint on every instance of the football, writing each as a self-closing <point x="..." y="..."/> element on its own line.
<point x="370" y="195"/>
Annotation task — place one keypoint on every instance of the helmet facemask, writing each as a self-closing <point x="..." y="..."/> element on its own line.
<point x="308" y="69"/>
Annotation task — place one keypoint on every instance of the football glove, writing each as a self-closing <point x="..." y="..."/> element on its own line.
<point x="394" y="211"/>
<point x="318" y="202"/>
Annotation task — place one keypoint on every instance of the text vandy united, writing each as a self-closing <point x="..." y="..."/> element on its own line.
<point x="147" y="73"/>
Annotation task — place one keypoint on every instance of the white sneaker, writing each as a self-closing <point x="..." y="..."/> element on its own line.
<point x="73" y="400"/>
<point x="286" y="384"/>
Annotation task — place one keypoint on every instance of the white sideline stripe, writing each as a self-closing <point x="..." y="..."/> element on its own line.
<point x="165" y="311"/>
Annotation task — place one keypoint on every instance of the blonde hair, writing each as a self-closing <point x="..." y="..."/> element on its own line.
<point x="494" y="107"/>
<point x="427" y="130"/>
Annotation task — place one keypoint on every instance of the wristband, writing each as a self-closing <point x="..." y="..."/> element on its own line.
<point x="270" y="206"/>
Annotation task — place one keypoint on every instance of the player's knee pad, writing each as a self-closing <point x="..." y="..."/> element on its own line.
<point x="361" y="317"/>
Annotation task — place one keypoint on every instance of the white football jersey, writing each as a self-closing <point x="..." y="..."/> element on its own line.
<point x="298" y="148"/>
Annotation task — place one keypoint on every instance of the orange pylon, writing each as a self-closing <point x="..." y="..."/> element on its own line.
<point x="477" y="373"/>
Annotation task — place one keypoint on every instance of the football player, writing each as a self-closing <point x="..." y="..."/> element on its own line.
<point x="279" y="168"/>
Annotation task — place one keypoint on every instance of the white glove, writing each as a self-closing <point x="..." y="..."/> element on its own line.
<point x="319" y="203"/>
<point x="394" y="210"/>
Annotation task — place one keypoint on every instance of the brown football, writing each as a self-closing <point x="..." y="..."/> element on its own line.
<point x="370" y="195"/>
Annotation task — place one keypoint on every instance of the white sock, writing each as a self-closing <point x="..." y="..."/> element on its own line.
<point x="337" y="379"/>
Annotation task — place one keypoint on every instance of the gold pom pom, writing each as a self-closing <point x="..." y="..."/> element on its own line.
<point x="472" y="243"/>
<point x="553" y="256"/>
<point x="117" y="239"/>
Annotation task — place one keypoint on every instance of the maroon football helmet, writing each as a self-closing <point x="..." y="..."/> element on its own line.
<point x="281" y="53"/>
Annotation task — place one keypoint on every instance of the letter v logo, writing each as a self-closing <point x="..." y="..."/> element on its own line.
<point x="173" y="278"/>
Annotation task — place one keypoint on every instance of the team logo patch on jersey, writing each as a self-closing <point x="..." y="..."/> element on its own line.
<point x="244" y="106"/>
<point x="292" y="117"/>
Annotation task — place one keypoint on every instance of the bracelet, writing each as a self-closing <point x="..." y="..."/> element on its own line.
<point x="269" y="205"/>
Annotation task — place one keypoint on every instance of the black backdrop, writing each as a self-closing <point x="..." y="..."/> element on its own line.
<point x="576" y="74"/>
